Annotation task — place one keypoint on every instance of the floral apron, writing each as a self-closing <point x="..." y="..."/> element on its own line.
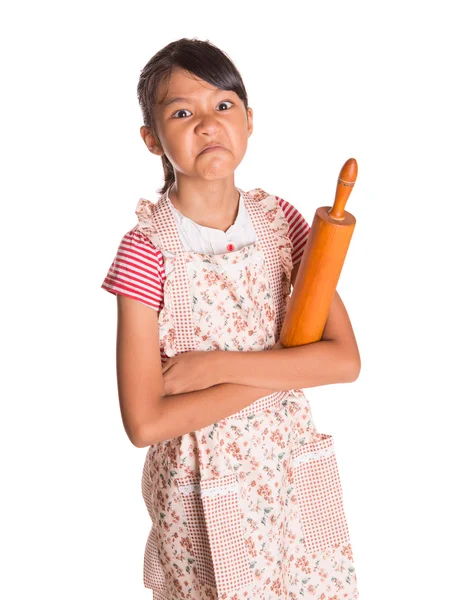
<point x="249" y="507"/>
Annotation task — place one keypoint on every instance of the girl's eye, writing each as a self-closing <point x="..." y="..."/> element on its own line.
<point x="185" y="110"/>
<point x="179" y="111"/>
<point x="226" y="102"/>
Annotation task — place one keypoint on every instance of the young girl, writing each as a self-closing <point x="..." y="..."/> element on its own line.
<point x="242" y="490"/>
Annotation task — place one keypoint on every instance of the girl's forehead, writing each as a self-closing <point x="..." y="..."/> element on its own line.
<point x="183" y="84"/>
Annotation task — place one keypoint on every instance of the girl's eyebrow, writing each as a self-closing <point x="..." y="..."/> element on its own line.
<point x="172" y="100"/>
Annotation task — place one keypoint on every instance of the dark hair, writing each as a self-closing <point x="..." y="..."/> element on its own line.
<point x="201" y="58"/>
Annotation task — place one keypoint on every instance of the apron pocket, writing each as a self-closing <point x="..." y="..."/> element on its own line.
<point x="214" y="520"/>
<point x="319" y="493"/>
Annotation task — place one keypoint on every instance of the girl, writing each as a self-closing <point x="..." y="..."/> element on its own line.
<point x="237" y="481"/>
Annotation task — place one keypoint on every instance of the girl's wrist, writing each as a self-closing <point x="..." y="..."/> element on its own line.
<point x="222" y="364"/>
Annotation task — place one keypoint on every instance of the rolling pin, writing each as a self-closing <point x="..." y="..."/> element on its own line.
<point x="323" y="257"/>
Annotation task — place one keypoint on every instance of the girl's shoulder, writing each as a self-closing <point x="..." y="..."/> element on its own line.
<point x="137" y="270"/>
<point x="286" y="218"/>
<point x="146" y="213"/>
<point x="258" y="194"/>
<point x="290" y="212"/>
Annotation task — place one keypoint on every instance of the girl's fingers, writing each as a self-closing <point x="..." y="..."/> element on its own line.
<point x="167" y="366"/>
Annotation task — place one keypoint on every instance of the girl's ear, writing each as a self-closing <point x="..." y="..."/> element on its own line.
<point x="150" y="141"/>
<point x="249" y="121"/>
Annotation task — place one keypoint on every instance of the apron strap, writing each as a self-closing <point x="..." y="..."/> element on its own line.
<point x="272" y="228"/>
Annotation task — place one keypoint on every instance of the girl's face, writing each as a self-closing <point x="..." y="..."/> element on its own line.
<point x="206" y="115"/>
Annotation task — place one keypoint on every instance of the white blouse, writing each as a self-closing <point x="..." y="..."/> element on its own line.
<point x="207" y="240"/>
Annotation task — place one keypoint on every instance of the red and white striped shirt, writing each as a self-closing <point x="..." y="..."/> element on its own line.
<point x="138" y="271"/>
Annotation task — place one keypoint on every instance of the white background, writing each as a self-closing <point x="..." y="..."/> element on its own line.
<point x="386" y="83"/>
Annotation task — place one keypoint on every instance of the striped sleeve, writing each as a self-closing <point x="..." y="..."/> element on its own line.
<point x="298" y="229"/>
<point x="137" y="270"/>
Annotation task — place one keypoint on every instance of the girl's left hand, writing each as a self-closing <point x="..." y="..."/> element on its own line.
<point x="189" y="372"/>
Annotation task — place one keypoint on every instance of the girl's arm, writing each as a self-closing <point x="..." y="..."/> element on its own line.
<point x="333" y="359"/>
<point x="149" y="416"/>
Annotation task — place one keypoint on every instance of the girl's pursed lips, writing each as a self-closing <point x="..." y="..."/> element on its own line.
<point x="213" y="147"/>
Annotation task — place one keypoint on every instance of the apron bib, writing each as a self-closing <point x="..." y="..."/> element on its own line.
<point x="251" y="506"/>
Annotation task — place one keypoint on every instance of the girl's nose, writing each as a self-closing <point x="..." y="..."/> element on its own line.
<point x="208" y="123"/>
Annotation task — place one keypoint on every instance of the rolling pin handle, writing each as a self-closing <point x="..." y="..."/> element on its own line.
<point x="345" y="183"/>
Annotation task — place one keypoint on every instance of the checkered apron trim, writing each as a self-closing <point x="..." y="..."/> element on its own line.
<point x="319" y="491"/>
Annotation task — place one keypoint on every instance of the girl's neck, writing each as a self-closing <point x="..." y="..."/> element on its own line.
<point x="216" y="207"/>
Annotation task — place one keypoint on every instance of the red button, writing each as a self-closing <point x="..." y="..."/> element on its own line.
<point x="230" y="247"/>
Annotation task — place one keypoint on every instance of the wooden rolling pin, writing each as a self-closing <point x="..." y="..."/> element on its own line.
<point x="323" y="257"/>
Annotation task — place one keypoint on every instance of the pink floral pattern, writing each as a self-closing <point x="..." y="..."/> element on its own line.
<point x="230" y="519"/>
<point x="232" y="303"/>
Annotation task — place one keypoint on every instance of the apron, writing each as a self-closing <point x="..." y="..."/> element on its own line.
<point x="249" y="507"/>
